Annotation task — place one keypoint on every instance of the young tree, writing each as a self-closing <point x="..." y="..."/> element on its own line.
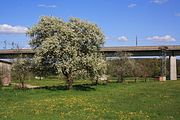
<point x="20" y="70"/>
<point x="123" y="65"/>
<point x="137" y="70"/>
<point x="71" y="46"/>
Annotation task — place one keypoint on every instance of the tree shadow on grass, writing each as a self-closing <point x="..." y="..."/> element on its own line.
<point x="81" y="87"/>
<point x="53" y="88"/>
<point x="84" y="87"/>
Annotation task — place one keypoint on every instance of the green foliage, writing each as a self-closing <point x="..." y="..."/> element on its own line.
<point x="123" y="65"/>
<point x="151" y="67"/>
<point x="178" y="67"/>
<point x="42" y="69"/>
<point x="141" y="101"/>
<point x="71" y="47"/>
<point x="146" y="67"/>
<point x="20" y="70"/>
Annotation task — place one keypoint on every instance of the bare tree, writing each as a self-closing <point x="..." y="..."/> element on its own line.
<point x="123" y="65"/>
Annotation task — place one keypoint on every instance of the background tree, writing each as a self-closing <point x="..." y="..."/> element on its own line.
<point x="178" y="68"/>
<point x="42" y="70"/>
<point x="151" y="66"/>
<point x="143" y="71"/>
<point x="122" y="65"/>
<point x="138" y="70"/>
<point x="71" y="47"/>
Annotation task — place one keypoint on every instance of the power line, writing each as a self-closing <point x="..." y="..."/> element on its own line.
<point x="8" y="45"/>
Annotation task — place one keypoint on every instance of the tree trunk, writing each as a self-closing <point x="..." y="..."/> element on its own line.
<point x="97" y="81"/>
<point x="136" y="78"/>
<point x="145" y="79"/>
<point x="69" y="83"/>
<point x="23" y="85"/>
<point x="69" y="80"/>
<point x="22" y="82"/>
<point x="120" y="79"/>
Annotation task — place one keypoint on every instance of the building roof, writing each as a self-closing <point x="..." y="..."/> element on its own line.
<point x="6" y="62"/>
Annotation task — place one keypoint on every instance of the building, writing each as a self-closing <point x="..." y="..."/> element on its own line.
<point x="5" y="72"/>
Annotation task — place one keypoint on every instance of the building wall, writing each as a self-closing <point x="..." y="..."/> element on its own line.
<point x="5" y="73"/>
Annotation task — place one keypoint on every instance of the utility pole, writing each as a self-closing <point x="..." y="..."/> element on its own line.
<point x="136" y="41"/>
<point x="5" y="44"/>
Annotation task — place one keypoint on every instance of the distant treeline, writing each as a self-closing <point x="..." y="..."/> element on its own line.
<point x="149" y="67"/>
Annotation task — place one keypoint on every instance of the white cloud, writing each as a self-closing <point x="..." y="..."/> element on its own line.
<point x="177" y="14"/>
<point x="159" y="1"/>
<point x="132" y="5"/>
<point x="5" y="28"/>
<point x="121" y="38"/>
<point x="47" y="6"/>
<point x="166" y="38"/>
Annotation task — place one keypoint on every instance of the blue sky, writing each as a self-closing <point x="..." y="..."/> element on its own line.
<point x="155" y="22"/>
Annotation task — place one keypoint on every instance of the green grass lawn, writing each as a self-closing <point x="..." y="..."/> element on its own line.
<point x="127" y="101"/>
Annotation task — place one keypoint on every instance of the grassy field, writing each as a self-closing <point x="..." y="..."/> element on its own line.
<point x="127" y="101"/>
